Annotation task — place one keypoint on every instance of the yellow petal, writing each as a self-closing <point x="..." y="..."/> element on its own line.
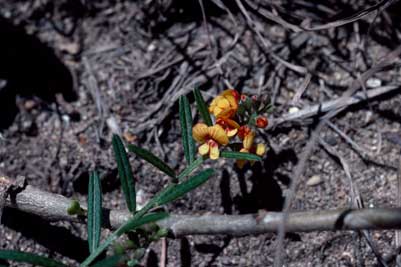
<point x="232" y="123"/>
<point x="217" y="111"/>
<point x="226" y="113"/>
<point x="232" y="101"/>
<point x="230" y="92"/>
<point x="226" y="92"/>
<point x="203" y="149"/>
<point x="231" y="132"/>
<point x="223" y="103"/>
<point x="214" y="152"/>
<point x="260" y="149"/>
<point x="248" y="140"/>
<point x="200" y="132"/>
<point x="217" y="133"/>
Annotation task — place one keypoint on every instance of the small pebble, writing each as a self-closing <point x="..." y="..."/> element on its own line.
<point x="373" y="83"/>
<point x="71" y="48"/>
<point x="369" y="117"/>
<point x="314" y="180"/>
<point x="293" y="109"/>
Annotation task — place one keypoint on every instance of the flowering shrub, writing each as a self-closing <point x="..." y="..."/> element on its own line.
<point x="235" y="118"/>
<point x="234" y="115"/>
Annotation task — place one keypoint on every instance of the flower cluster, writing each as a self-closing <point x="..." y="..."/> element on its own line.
<point x="235" y="115"/>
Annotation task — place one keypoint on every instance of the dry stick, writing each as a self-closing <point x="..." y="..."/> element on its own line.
<point x="339" y="103"/>
<point x="296" y="28"/>
<point x="296" y="174"/>
<point x="360" y="150"/>
<point x="53" y="207"/>
<point x="218" y="66"/>
<point x="398" y="233"/>
<point x="163" y="255"/>
<point x="301" y="89"/>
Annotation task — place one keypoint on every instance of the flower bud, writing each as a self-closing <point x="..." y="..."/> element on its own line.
<point x="243" y="131"/>
<point x="261" y="122"/>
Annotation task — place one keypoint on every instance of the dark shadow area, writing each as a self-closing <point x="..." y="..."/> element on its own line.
<point x="212" y="249"/>
<point x="339" y="224"/>
<point x="265" y="192"/>
<point x="152" y="259"/>
<point x="185" y="253"/>
<point x="109" y="180"/>
<point x="226" y="198"/>
<point x="389" y="114"/>
<point x="29" y="68"/>
<point x="55" y="238"/>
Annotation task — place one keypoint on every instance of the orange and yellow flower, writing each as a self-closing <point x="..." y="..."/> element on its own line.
<point x="225" y="105"/>
<point x="210" y="137"/>
<point x="248" y="146"/>
<point x="230" y="126"/>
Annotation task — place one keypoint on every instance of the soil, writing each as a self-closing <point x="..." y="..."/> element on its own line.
<point x="74" y="72"/>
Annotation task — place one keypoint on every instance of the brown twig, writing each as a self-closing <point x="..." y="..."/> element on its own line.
<point x="53" y="207"/>
<point x="337" y="104"/>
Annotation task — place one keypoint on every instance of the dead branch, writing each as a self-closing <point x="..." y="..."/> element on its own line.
<point x="337" y="104"/>
<point x="53" y="207"/>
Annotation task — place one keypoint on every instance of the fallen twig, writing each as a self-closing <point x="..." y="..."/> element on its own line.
<point x="53" y="207"/>
<point x="331" y="105"/>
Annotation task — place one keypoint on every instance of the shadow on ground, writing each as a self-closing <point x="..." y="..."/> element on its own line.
<point x="55" y="238"/>
<point x="29" y="68"/>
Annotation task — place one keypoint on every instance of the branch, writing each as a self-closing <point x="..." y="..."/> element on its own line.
<point x="53" y="207"/>
<point x="332" y="105"/>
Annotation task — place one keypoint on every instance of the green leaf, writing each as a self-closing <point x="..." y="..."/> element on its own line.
<point x="187" y="171"/>
<point x="152" y="159"/>
<point x="200" y="102"/>
<point x="186" y="129"/>
<point x="94" y="211"/>
<point x="179" y="190"/>
<point x="125" y="173"/>
<point x="239" y="155"/>
<point x="111" y="261"/>
<point x="133" y="223"/>
<point x="29" y="258"/>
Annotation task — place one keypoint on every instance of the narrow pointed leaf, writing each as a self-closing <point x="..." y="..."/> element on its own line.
<point x="94" y="211"/>
<point x="152" y="159"/>
<point x="186" y="129"/>
<point x="125" y="172"/>
<point x="239" y="155"/>
<point x="133" y="223"/>
<point x="184" y="187"/>
<point x="189" y="169"/>
<point x="29" y="258"/>
<point x="111" y="261"/>
<point x="202" y="107"/>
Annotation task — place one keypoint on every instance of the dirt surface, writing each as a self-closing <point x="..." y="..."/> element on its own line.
<point x="74" y="72"/>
